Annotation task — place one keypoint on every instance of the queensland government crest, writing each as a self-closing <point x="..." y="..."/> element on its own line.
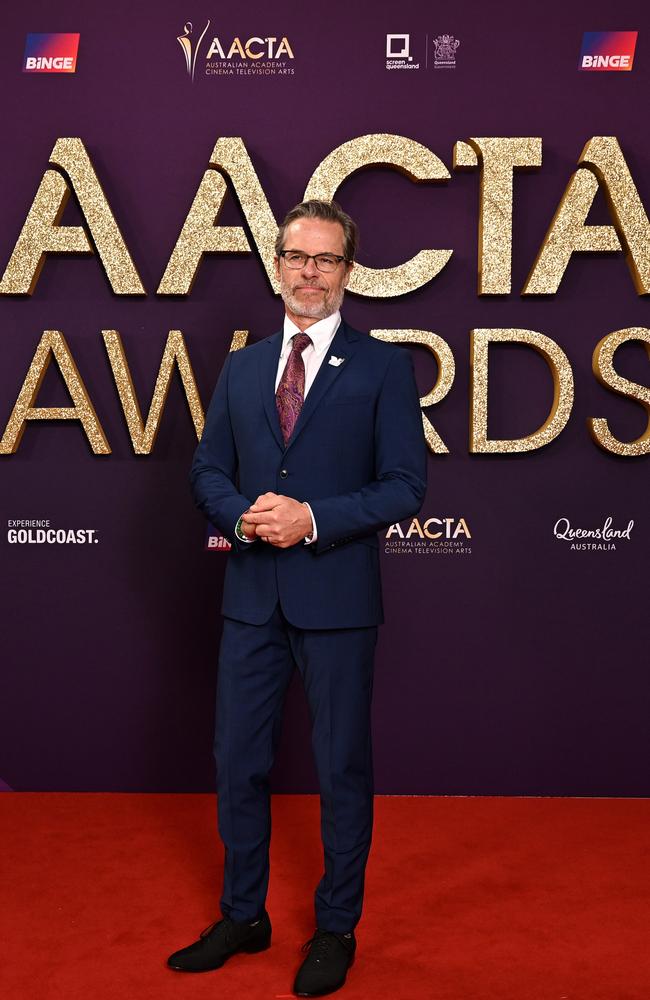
<point x="445" y="54"/>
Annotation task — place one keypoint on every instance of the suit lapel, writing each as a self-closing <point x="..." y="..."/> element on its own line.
<point x="343" y="346"/>
<point x="268" y="368"/>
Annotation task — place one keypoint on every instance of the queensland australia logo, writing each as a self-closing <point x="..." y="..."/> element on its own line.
<point x="608" y="50"/>
<point x="51" y="53"/>
<point x="429" y="536"/>
<point x="270" y="55"/>
<point x="445" y="47"/>
<point x="602" y="538"/>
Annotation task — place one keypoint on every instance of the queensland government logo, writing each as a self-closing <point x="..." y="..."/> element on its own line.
<point x="254" y="56"/>
<point x="445" y="52"/>
<point x="52" y="52"/>
<point x="430" y="536"/>
<point x="602" y="538"/>
<point x="608" y="50"/>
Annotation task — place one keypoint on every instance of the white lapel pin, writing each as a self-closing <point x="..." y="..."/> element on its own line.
<point x="335" y="361"/>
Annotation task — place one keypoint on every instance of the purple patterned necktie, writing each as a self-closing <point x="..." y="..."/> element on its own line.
<point x="290" y="393"/>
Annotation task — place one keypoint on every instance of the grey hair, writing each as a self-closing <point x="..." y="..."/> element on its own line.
<point x="328" y="211"/>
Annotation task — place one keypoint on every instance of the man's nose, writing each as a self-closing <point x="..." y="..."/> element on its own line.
<point x="310" y="270"/>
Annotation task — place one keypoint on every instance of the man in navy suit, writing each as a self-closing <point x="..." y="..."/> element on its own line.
<point x="313" y="443"/>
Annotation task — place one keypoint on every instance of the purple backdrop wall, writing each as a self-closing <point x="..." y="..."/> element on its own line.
<point x="518" y="668"/>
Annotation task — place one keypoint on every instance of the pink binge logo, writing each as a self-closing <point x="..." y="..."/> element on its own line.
<point x="215" y="541"/>
<point x="608" y="50"/>
<point x="51" y="53"/>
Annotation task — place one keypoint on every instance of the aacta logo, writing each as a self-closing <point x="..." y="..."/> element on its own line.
<point x="608" y="50"/>
<point x="51" y="53"/>
<point x="253" y="48"/>
<point x="433" y="527"/>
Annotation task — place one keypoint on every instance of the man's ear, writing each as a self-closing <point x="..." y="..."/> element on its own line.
<point x="276" y="266"/>
<point x="348" y="272"/>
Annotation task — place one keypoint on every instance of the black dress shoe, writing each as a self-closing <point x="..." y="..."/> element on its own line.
<point x="324" y="970"/>
<point x="219" y="942"/>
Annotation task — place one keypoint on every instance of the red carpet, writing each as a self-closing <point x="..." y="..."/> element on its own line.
<point x="466" y="899"/>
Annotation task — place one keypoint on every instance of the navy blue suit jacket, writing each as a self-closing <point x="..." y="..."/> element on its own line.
<point x="357" y="455"/>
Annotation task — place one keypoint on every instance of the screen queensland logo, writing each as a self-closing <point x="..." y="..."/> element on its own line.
<point x="209" y="54"/>
<point x="429" y="536"/>
<point x="51" y="53"/>
<point x="608" y="50"/>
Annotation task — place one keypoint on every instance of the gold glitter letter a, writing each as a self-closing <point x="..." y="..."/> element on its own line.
<point x="42" y="233"/>
<point x="53" y="344"/>
<point x="604" y="165"/>
<point x="201" y="234"/>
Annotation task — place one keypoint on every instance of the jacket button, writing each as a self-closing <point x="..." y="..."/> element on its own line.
<point x="283" y="473"/>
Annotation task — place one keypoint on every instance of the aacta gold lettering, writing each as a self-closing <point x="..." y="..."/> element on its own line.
<point x="43" y="234"/>
<point x="604" y="167"/>
<point x="446" y="371"/>
<point x="498" y="159"/>
<point x="53" y="345"/>
<point x="601" y="166"/>
<point x="175" y="354"/>
<point x="603" y="369"/>
<point x="562" y="376"/>
<point x="415" y="161"/>
<point x="143" y="436"/>
<point x="201" y="234"/>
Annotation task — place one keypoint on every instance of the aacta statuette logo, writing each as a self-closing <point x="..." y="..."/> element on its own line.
<point x="185" y="43"/>
<point x="445" y="56"/>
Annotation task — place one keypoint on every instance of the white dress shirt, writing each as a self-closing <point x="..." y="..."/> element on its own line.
<point x="322" y="335"/>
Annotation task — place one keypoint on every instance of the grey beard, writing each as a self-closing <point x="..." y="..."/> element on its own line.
<point x="331" y="302"/>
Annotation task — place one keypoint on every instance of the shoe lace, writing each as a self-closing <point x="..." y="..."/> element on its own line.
<point x="320" y="944"/>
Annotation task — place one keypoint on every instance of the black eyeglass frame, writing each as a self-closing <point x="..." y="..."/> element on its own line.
<point x="314" y="257"/>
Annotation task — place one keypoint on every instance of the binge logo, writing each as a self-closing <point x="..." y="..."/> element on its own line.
<point x="215" y="541"/>
<point x="51" y="53"/>
<point x="608" y="50"/>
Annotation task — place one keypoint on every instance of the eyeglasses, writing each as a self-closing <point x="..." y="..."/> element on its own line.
<point x="327" y="262"/>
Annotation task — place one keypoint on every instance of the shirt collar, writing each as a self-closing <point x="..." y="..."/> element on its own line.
<point x="321" y="333"/>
